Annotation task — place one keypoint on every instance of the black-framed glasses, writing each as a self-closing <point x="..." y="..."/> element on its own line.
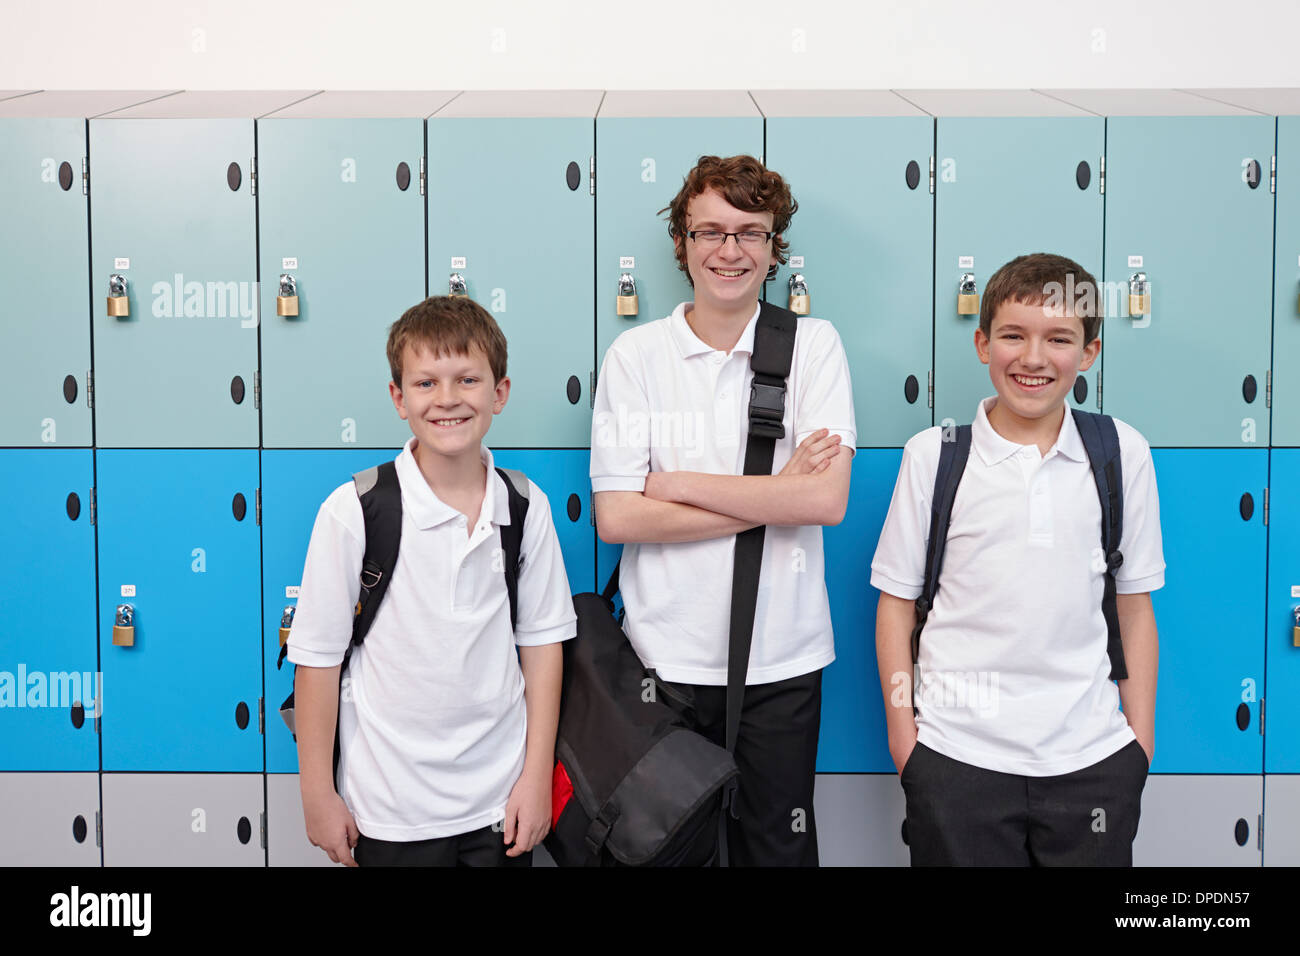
<point x="712" y="238"/>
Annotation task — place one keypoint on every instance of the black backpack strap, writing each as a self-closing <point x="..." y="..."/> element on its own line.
<point x="953" y="454"/>
<point x="512" y="534"/>
<point x="381" y="505"/>
<point x="773" y="352"/>
<point x="1101" y="440"/>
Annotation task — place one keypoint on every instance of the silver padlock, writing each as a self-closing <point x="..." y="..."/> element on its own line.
<point x="628" y="304"/>
<point x="800" y="303"/>
<point x="968" y="297"/>
<point x="1139" y="294"/>
<point x="286" y="303"/>
<point x="124" y="626"/>
<point x="118" y="305"/>
<point x="456" y="286"/>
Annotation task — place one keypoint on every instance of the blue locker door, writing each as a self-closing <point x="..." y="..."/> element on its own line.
<point x="43" y="272"/>
<point x="863" y="240"/>
<point x="48" y="664"/>
<point x="517" y="226"/>
<point x="1286" y="287"/>
<point x="1006" y="187"/>
<point x="179" y="529"/>
<point x="340" y="211"/>
<point x="174" y="214"/>
<point x="563" y="477"/>
<point x="1209" y="615"/>
<point x="1180" y="208"/>
<point x="1282" y="726"/>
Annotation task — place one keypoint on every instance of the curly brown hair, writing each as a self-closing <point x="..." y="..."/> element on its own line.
<point x="745" y="183"/>
<point x="447" y="325"/>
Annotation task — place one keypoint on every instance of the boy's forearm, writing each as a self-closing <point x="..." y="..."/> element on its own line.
<point x="1137" y="625"/>
<point x="895" y="618"/>
<point x="630" y="517"/>
<point x="316" y="711"/>
<point x="543" y="667"/>
<point x="805" y="499"/>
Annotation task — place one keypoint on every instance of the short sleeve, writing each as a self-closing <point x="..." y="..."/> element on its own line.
<point x="620" y="454"/>
<point x="825" y="390"/>
<point x="1143" y="569"/>
<point x="545" y="613"/>
<point x="331" y="582"/>
<point x="898" y="567"/>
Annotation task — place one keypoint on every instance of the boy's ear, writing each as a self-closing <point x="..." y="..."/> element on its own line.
<point x="501" y="396"/>
<point x="1090" y="353"/>
<point x="395" y="393"/>
<point x="982" y="345"/>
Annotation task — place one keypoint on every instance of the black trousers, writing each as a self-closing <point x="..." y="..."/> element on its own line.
<point x="961" y="815"/>
<point x="483" y="847"/>
<point x="776" y="751"/>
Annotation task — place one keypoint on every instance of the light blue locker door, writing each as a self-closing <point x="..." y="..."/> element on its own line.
<point x="1282" y="649"/>
<point x="853" y="733"/>
<point x="43" y="272"/>
<point x="1208" y="614"/>
<point x="862" y="240"/>
<point x="646" y="143"/>
<point x="175" y="216"/>
<point x="294" y="484"/>
<point x="341" y="212"/>
<point x="1011" y="178"/>
<point x="179" y="543"/>
<point x="1286" y="288"/>
<point x="1180" y="208"/>
<point x="49" y="682"/>
<point x="516" y="226"/>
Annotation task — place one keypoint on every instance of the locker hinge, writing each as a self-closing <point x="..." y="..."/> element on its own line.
<point x="1101" y="176"/>
<point x="1261" y="716"/>
<point x="257" y="509"/>
<point x="591" y="175"/>
<point x="252" y="179"/>
<point x="591" y="388"/>
<point x="929" y="389"/>
<point x="1259" y="832"/>
<point x="261" y="715"/>
<point x="1099" y="392"/>
<point x="931" y="175"/>
<point x="92" y="509"/>
<point x="1272" y="175"/>
<point x="257" y="389"/>
<point x="1268" y="389"/>
<point x="591" y="507"/>
<point x="1265" y="507"/>
<point x="423" y="175"/>
<point x="97" y="720"/>
<point x="99" y="830"/>
<point x="90" y="388"/>
<point x="261" y="826"/>
<point x="85" y="175"/>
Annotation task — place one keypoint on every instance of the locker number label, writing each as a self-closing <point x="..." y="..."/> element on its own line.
<point x="965" y="262"/>
<point x="1295" y="590"/>
<point x="122" y="262"/>
<point x="796" y="262"/>
<point x="289" y="262"/>
<point x="292" y="590"/>
<point x="1135" y="262"/>
<point x="627" y="262"/>
<point x="128" y="590"/>
<point x="458" y="262"/>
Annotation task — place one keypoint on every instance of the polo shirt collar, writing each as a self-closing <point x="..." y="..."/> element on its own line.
<point x="993" y="448"/>
<point x="689" y="344"/>
<point x="427" y="510"/>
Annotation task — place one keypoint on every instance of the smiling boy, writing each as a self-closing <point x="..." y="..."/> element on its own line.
<point x="677" y="499"/>
<point x="447" y="735"/>
<point x="1019" y="753"/>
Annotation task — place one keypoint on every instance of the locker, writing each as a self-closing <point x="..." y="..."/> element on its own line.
<point x="1015" y="172"/>
<point x="1199" y="820"/>
<point x="341" y="214"/>
<point x="286" y="830"/>
<point x="179" y="546"/>
<point x="1186" y="208"/>
<point x="1282" y="648"/>
<point x="45" y="233"/>
<point x="49" y="681"/>
<point x="1282" y="823"/>
<point x="646" y="143"/>
<point x="515" y="226"/>
<point x="51" y="819"/>
<point x="183" y="819"/>
<point x="860" y="820"/>
<point x="1208" y="614"/>
<point x="174" y="271"/>
<point x="862" y="240"/>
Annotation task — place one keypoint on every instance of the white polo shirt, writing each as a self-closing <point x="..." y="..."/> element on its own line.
<point x="1013" y="673"/>
<point x="432" y="722"/>
<point x="666" y="401"/>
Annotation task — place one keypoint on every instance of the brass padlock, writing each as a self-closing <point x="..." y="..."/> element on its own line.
<point x="286" y="622"/>
<point x="1139" y="294"/>
<point x="124" y="626"/>
<point x="627" y="297"/>
<point x="456" y="286"/>
<point x="286" y="303"/>
<point x="1295" y="631"/>
<point x="968" y="297"/>
<point x="119" y="307"/>
<point x="800" y="303"/>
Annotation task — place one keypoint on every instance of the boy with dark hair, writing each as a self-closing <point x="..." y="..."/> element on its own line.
<point x="1017" y="752"/>
<point x="447" y="720"/>
<point x="668" y="446"/>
